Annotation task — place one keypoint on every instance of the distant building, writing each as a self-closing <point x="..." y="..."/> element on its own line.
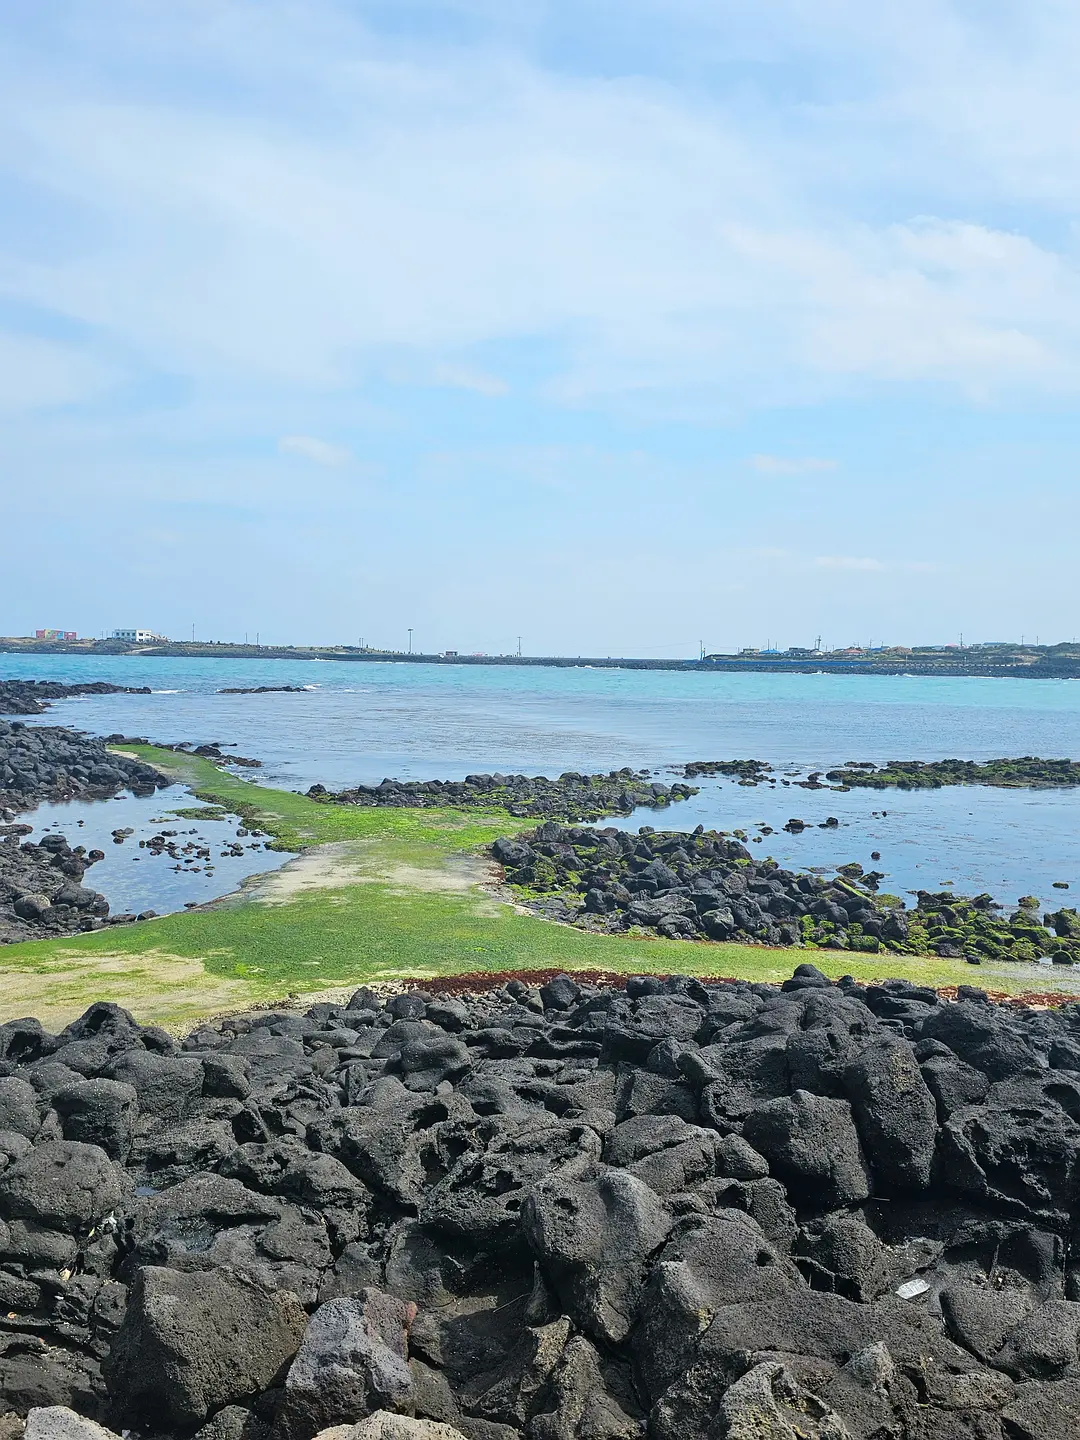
<point x="450" y="654"/>
<point x="749" y="650"/>
<point x="137" y="637"/>
<point x="55" y="635"/>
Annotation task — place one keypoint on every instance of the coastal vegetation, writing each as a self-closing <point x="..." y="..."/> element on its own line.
<point x="1018" y="772"/>
<point x="1025" y="771"/>
<point x="707" y="886"/>
<point x="374" y="894"/>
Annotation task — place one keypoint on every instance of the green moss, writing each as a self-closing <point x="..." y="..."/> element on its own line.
<point x="382" y="924"/>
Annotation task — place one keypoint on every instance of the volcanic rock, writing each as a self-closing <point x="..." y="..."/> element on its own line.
<point x="571" y="1212"/>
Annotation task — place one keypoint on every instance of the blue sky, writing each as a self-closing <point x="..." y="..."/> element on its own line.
<point x="616" y="326"/>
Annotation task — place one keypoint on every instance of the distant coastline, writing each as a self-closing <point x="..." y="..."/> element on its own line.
<point x="1031" y="663"/>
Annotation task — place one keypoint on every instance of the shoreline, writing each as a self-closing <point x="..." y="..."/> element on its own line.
<point x="909" y="667"/>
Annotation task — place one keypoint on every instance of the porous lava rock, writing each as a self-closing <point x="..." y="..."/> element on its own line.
<point x="41" y="889"/>
<point x="48" y="762"/>
<point x="571" y="1212"/>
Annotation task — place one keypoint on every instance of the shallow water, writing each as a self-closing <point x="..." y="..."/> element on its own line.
<point x="363" y="721"/>
<point x="967" y="839"/>
<point x="134" y="879"/>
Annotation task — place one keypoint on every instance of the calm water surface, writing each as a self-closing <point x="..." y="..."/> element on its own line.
<point x="359" y="722"/>
<point x="134" y="879"/>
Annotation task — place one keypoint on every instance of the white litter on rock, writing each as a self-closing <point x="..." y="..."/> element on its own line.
<point x="912" y="1289"/>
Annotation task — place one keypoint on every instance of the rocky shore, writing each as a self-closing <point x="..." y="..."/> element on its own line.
<point x="31" y="697"/>
<point x="211" y="750"/>
<point x="678" y="1210"/>
<point x="1026" y="771"/>
<point x="41" y="889"/>
<point x="570" y="797"/>
<point x="706" y="885"/>
<point x="45" y="762"/>
<point x="266" y="690"/>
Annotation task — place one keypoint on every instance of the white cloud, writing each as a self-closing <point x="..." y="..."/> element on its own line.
<point x="309" y="448"/>
<point x="417" y="198"/>
<point x="790" y="465"/>
<point x="849" y="562"/>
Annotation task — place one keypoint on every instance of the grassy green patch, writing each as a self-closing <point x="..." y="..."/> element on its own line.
<point x="395" y="898"/>
<point x="384" y="931"/>
<point x="297" y="823"/>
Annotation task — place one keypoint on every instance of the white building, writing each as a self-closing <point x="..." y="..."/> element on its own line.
<point x="137" y="637"/>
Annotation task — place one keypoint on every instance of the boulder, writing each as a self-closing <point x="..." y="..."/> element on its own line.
<point x="769" y="1402"/>
<point x="595" y="1239"/>
<point x="57" y="1422"/>
<point x="193" y="1342"/>
<point x="64" y="1183"/>
<point x="895" y="1115"/>
<point x="812" y="1145"/>
<point x="353" y="1361"/>
<point x="99" y="1112"/>
<point x="385" y="1425"/>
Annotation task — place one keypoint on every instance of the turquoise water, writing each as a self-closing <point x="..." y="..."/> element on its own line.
<point x="362" y="721"/>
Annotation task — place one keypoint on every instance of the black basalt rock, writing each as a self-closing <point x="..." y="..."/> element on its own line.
<point x="676" y="1209"/>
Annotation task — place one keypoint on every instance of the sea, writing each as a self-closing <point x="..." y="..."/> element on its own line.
<point x="357" y="722"/>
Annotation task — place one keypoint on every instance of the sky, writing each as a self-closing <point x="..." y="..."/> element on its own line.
<point x="619" y="326"/>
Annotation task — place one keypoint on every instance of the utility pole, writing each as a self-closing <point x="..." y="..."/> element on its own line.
<point x="519" y="647"/>
<point x="193" y="632"/>
<point x="410" y="639"/>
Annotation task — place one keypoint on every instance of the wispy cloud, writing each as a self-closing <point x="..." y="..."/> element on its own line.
<point x="463" y="377"/>
<point x="310" y="448"/>
<point x="849" y="562"/>
<point x="790" y="465"/>
<point x="445" y="197"/>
